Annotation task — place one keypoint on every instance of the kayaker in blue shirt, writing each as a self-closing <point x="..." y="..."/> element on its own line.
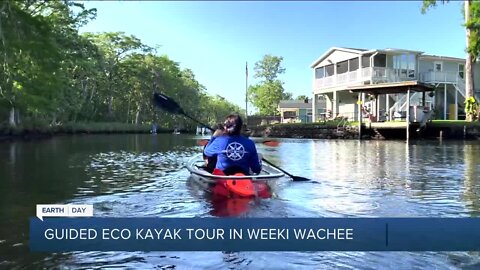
<point x="235" y="153"/>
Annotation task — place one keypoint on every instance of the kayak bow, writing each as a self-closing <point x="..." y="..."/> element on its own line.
<point x="233" y="186"/>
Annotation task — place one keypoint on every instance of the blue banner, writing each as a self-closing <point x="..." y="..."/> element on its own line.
<point x="254" y="234"/>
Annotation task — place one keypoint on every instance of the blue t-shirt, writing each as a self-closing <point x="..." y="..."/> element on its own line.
<point x="234" y="151"/>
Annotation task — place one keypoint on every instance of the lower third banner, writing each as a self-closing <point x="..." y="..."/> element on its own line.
<point x="255" y="234"/>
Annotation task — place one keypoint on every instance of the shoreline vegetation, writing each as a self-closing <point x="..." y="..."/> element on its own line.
<point x="37" y="131"/>
<point x="321" y="130"/>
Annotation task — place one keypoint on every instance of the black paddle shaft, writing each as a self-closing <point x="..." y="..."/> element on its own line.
<point x="169" y="105"/>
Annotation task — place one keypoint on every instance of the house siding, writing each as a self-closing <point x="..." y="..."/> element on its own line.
<point x="450" y="66"/>
<point x="425" y="66"/>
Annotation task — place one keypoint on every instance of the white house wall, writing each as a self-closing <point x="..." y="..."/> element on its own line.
<point x="476" y="77"/>
<point x="447" y="66"/>
<point x="336" y="56"/>
<point x="425" y="66"/>
<point x="347" y="104"/>
<point x="450" y="66"/>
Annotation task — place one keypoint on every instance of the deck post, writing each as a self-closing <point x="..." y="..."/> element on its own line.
<point x="456" y="104"/>
<point x="360" y="105"/>
<point x="335" y="104"/>
<point x="408" y="114"/>
<point x="445" y="101"/>
<point x="387" y="107"/>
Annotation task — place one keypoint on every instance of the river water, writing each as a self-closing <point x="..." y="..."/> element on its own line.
<point x="144" y="175"/>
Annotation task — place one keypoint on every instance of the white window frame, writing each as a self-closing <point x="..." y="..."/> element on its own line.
<point x="461" y="71"/>
<point x="435" y="66"/>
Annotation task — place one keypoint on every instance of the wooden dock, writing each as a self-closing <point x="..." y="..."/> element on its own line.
<point x="392" y="129"/>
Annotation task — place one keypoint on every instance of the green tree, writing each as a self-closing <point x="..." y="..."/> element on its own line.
<point x="52" y="74"/>
<point x="266" y="95"/>
<point x="115" y="46"/>
<point x="34" y="43"/>
<point x="471" y="10"/>
<point x="302" y="97"/>
<point x="269" y="68"/>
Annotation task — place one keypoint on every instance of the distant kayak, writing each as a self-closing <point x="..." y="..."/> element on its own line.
<point x="233" y="186"/>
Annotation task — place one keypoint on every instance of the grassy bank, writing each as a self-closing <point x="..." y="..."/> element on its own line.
<point x="36" y="129"/>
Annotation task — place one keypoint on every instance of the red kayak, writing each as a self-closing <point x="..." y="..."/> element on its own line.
<point x="233" y="186"/>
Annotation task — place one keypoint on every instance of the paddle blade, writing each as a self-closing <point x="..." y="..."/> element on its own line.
<point x="271" y="143"/>
<point x="202" y="142"/>
<point x="299" y="178"/>
<point x="167" y="104"/>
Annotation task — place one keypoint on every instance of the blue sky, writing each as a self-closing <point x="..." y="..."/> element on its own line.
<point x="216" y="38"/>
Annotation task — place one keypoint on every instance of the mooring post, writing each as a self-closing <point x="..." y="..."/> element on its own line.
<point x="359" y="103"/>
<point x="408" y="114"/>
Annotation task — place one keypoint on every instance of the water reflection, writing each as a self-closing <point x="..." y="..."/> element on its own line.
<point x="471" y="190"/>
<point x="144" y="175"/>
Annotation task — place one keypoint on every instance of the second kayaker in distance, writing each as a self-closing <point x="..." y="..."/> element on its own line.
<point x="235" y="153"/>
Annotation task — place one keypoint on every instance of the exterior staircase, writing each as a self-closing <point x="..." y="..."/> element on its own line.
<point x="342" y="126"/>
<point x="401" y="103"/>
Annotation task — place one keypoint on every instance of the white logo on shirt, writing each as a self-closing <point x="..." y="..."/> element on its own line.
<point x="235" y="151"/>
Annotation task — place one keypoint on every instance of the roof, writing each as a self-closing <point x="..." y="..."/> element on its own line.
<point x="295" y="104"/>
<point x="437" y="57"/>
<point x="359" y="51"/>
<point x="327" y="53"/>
<point x="392" y="88"/>
<point x="400" y="50"/>
<point x="355" y="49"/>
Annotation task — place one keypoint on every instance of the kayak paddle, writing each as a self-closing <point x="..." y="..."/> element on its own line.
<point x="271" y="143"/>
<point x="168" y="104"/>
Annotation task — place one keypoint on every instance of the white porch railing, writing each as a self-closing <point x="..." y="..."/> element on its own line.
<point x="374" y="74"/>
<point x="439" y="77"/>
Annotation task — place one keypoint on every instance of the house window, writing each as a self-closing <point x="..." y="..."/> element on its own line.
<point x="342" y="67"/>
<point x="320" y="72"/>
<point x="437" y="66"/>
<point x="365" y="61"/>
<point x="411" y="66"/>
<point x="329" y="70"/>
<point x="380" y="60"/>
<point x="461" y="71"/>
<point x="353" y="64"/>
<point x="404" y="65"/>
<point x="289" y="114"/>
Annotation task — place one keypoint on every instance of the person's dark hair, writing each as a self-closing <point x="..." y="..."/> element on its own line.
<point x="233" y="124"/>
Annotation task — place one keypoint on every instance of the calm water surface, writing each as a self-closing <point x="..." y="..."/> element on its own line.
<point x="144" y="175"/>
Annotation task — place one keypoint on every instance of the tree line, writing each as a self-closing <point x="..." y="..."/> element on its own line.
<point x="471" y="15"/>
<point x="53" y="74"/>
